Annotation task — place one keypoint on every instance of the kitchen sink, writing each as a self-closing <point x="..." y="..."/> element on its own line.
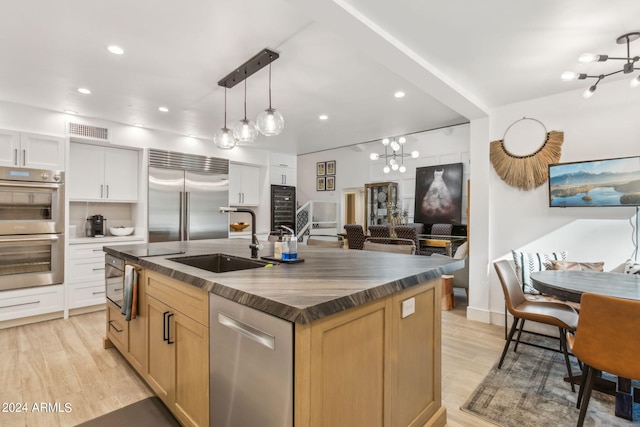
<point x="219" y="263"/>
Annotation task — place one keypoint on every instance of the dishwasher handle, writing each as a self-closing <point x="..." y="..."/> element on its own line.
<point x="248" y="331"/>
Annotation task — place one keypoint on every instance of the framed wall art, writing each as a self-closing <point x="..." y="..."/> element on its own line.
<point x="439" y="194"/>
<point x="320" y="183"/>
<point x="330" y="183"/>
<point x="331" y="167"/>
<point x="321" y="168"/>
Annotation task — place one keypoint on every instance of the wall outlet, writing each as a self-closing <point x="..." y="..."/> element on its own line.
<point x="408" y="307"/>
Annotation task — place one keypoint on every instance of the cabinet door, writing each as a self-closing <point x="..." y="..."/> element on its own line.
<point x="42" y="151"/>
<point x="9" y="148"/>
<point x="160" y="360"/>
<point x="121" y="175"/>
<point x="86" y="172"/>
<point x="191" y="370"/>
<point x="244" y="185"/>
<point x="280" y="175"/>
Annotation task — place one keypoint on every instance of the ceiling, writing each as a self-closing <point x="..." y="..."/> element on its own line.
<point x="455" y="60"/>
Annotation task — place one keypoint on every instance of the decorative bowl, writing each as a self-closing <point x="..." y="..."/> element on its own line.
<point x="121" y="231"/>
<point x="238" y="226"/>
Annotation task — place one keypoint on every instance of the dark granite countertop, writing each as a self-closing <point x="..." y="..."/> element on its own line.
<point x="329" y="281"/>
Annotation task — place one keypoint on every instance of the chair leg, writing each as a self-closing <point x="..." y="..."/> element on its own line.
<point x="586" y="397"/>
<point x="519" y="334"/>
<point x="514" y="326"/>
<point x="563" y="344"/>
<point x="583" y="384"/>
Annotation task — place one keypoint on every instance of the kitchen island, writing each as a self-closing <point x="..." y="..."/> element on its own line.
<point x="364" y="334"/>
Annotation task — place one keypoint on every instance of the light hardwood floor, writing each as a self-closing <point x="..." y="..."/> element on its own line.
<point x="63" y="362"/>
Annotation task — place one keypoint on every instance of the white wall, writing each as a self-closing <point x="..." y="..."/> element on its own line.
<point x="354" y="168"/>
<point x="604" y="126"/>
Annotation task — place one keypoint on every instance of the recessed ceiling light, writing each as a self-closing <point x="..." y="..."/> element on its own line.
<point x="84" y="90"/>
<point x="70" y="112"/>
<point x="138" y="125"/>
<point x="323" y="117"/>
<point x="116" y="50"/>
<point x="399" y="94"/>
<point x="192" y="136"/>
<point x="163" y="109"/>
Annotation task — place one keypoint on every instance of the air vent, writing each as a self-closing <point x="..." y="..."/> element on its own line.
<point x="88" y="132"/>
<point x="191" y="162"/>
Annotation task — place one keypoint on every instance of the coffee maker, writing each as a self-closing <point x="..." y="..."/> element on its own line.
<point x="96" y="226"/>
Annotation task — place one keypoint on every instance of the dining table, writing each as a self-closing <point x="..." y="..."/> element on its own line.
<point x="441" y="241"/>
<point x="569" y="285"/>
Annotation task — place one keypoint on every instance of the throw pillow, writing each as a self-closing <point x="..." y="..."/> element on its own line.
<point x="632" y="267"/>
<point x="577" y="266"/>
<point x="527" y="263"/>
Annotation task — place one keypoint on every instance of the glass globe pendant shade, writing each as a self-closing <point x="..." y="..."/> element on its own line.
<point x="402" y="169"/>
<point x="374" y="156"/>
<point x="245" y="131"/>
<point x="270" y="122"/>
<point x="224" y="139"/>
<point x="395" y="166"/>
<point x="386" y="169"/>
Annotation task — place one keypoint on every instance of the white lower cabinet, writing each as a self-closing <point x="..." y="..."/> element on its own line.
<point x="85" y="273"/>
<point x="27" y="302"/>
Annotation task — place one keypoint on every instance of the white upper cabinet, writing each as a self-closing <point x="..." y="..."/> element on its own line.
<point x="282" y="169"/>
<point x="244" y="185"/>
<point x="30" y="150"/>
<point x="103" y="174"/>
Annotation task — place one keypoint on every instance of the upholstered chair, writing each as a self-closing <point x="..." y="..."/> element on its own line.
<point x="438" y="230"/>
<point x="606" y="340"/>
<point x="460" y="277"/>
<point x="555" y="314"/>
<point x="411" y="232"/>
<point x="379" y="230"/>
<point x="355" y="236"/>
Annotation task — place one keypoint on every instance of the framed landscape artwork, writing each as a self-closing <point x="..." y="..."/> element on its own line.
<point x="330" y="183"/>
<point x="321" y="168"/>
<point x="331" y="167"/>
<point x="439" y="194"/>
<point x="320" y="183"/>
<point x="607" y="182"/>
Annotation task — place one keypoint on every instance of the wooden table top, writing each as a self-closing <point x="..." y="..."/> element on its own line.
<point x="570" y="285"/>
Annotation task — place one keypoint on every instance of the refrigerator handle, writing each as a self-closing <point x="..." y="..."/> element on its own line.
<point x="181" y="217"/>
<point x="187" y="214"/>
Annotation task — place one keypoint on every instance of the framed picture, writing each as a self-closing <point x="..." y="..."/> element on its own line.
<point x="320" y="183"/>
<point x="439" y="194"/>
<point x="331" y="181"/>
<point x="321" y="169"/>
<point x="331" y="169"/>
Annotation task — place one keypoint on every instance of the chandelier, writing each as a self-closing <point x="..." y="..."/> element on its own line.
<point x="395" y="159"/>
<point x="627" y="68"/>
<point x="270" y="121"/>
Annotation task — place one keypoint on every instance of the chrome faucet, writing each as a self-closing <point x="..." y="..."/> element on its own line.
<point x="255" y="243"/>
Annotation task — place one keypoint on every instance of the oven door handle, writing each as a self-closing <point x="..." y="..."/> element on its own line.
<point x="32" y="238"/>
<point x="23" y="184"/>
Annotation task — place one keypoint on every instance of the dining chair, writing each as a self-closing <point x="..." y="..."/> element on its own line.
<point x="438" y="230"/>
<point x="379" y="230"/>
<point x="355" y="236"/>
<point x="325" y="241"/>
<point x="606" y="340"/>
<point x="555" y="314"/>
<point x="410" y="232"/>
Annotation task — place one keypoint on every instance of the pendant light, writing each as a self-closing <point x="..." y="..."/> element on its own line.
<point x="270" y="121"/>
<point x="245" y="130"/>
<point x="224" y="137"/>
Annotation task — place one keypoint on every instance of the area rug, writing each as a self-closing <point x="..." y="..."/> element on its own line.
<point x="149" y="412"/>
<point x="529" y="391"/>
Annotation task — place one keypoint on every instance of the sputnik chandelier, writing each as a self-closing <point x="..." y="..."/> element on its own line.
<point x="270" y="122"/>
<point x="627" y="68"/>
<point x="397" y="153"/>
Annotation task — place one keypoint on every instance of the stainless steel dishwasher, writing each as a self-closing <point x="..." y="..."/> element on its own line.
<point x="251" y="367"/>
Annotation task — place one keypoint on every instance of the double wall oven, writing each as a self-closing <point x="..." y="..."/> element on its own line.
<point x="31" y="227"/>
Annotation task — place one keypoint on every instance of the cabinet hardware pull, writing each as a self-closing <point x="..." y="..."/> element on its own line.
<point x="98" y="293"/>
<point x="24" y="157"/>
<point x="169" y="329"/>
<point x="111" y="324"/>
<point x="107" y="191"/>
<point x="117" y="289"/>
<point x="15" y="157"/>
<point x="98" y="269"/>
<point x="97" y="250"/>
<point x="101" y="191"/>
<point x="18" y="305"/>
<point x="164" y="326"/>
<point x="248" y="331"/>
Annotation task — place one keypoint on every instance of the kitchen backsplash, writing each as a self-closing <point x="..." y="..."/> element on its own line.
<point x="117" y="214"/>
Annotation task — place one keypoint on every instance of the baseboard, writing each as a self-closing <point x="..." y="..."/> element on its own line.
<point x="89" y="309"/>
<point x="31" y="319"/>
<point x="478" y="315"/>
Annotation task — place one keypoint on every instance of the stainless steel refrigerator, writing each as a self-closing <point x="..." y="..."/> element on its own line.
<point x="185" y="192"/>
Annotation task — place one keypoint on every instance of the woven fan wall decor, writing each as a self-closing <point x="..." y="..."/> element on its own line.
<point x="531" y="170"/>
